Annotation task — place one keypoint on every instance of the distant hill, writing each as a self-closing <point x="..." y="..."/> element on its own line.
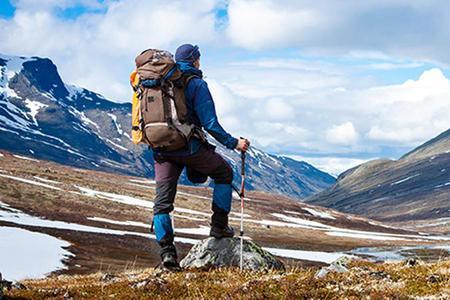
<point x="42" y="116"/>
<point x="436" y="146"/>
<point x="415" y="187"/>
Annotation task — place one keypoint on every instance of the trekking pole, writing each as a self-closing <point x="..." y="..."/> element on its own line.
<point x="242" y="195"/>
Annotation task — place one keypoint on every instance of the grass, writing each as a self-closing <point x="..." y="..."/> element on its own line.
<point x="364" y="280"/>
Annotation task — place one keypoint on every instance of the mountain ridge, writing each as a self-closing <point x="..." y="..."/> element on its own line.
<point x="42" y="115"/>
<point x="414" y="187"/>
<point x="436" y="145"/>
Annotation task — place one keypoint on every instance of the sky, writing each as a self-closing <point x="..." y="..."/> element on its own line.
<point x="334" y="83"/>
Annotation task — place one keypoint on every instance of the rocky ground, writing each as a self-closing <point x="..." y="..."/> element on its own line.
<point x="364" y="280"/>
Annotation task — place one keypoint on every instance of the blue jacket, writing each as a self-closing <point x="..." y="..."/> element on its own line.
<point x="202" y="112"/>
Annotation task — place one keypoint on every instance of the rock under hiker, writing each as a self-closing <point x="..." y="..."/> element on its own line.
<point x="198" y="156"/>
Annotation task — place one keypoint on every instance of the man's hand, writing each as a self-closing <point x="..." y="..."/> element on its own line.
<point x="242" y="144"/>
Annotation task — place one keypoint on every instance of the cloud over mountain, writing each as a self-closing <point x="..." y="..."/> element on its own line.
<point x="290" y="74"/>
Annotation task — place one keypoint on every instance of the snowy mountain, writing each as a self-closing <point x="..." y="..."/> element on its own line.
<point x="416" y="187"/>
<point x="42" y="116"/>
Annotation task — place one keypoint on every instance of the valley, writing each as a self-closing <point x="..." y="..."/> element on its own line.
<point x="102" y="220"/>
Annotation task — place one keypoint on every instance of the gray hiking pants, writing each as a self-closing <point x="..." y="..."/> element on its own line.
<point x="167" y="172"/>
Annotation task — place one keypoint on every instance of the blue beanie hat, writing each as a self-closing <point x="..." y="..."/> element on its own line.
<point x="187" y="52"/>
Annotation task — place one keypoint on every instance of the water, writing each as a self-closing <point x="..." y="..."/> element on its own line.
<point x="425" y="252"/>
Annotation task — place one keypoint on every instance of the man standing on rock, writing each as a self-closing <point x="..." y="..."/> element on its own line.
<point x="199" y="158"/>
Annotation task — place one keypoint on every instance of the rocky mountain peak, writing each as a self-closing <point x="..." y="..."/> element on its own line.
<point x="43" y="74"/>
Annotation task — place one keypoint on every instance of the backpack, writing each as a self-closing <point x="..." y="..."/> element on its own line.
<point x="159" y="112"/>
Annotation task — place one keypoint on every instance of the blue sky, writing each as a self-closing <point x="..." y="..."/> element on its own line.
<point x="331" y="82"/>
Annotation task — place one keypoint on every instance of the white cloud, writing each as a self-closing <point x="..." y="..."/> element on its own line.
<point x="414" y="29"/>
<point x="352" y="118"/>
<point x="97" y="51"/>
<point x="259" y="24"/>
<point x="332" y="165"/>
<point x="261" y="78"/>
<point x="392" y="66"/>
<point x="343" y="134"/>
<point x="279" y="110"/>
<point x="283" y="104"/>
<point x="410" y="112"/>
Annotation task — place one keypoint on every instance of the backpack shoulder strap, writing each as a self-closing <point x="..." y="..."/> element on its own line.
<point x="186" y="78"/>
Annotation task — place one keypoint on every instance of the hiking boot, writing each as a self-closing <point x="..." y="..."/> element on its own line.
<point x="219" y="233"/>
<point x="169" y="262"/>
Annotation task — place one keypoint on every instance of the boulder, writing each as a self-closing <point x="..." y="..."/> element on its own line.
<point x="225" y="252"/>
<point x="338" y="266"/>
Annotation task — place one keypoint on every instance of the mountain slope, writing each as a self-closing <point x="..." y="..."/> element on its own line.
<point x="42" y="116"/>
<point x="437" y="145"/>
<point x="415" y="187"/>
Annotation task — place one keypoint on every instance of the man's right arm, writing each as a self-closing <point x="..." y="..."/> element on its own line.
<point x="206" y="112"/>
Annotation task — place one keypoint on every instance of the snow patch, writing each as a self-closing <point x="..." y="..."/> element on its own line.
<point x="116" y="145"/>
<point x="238" y="214"/>
<point x="20" y="119"/>
<point x="83" y="117"/>
<point x="141" y="185"/>
<point x="202" y="230"/>
<point x="46" y="180"/>
<point x="22" y="124"/>
<point x="146" y="181"/>
<point x="193" y="195"/>
<point x="114" y="163"/>
<point x="73" y="91"/>
<point x="25" y="157"/>
<point x="8" y="92"/>
<point x="127" y="135"/>
<point x="26" y="254"/>
<point x="116" y="197"/>
<point x="318" y="213"/>
<point x="300" y="221"/>
<point x="191" y="211"/>
<point x="132" y="200"/>
<point x="325" y="257"/>
<point x="442" y="185"/>
<point x="118" y="127"/>
<point x="34" y="107"/>
<point x="126" y="223"/>
<point x="16" y="216"/>
<point x="364" y="236"/>
<point x="405" y="179"/>
<point x="437" y="222"/>
<point x="31" y="182"/>
<point x="188" y="218"/>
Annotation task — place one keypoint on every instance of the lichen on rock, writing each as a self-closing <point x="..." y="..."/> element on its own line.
<point x="225" y="252"/>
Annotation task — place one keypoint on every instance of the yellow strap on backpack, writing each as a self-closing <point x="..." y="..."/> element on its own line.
<point x="137" y="135"/>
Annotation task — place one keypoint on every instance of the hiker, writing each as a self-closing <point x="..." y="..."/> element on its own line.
<point x="199" y="157"/>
